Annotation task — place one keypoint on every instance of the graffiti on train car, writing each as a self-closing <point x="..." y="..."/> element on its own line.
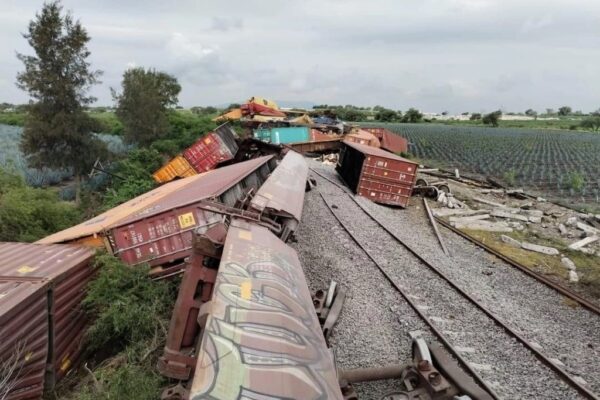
<point x="261" y="334"/>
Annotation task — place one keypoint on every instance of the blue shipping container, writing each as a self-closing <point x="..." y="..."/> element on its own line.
<point x="286" y="135"/>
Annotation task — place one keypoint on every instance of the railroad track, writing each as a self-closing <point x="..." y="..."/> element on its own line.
<point x="563" y="290"/>
<point x="425" y="287"/>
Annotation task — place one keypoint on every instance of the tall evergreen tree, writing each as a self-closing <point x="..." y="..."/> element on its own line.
<point x="144" y="104"/>
<point x="58" y="131"/>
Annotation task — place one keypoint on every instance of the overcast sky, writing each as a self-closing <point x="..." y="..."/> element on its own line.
<point x="436" y="55"/>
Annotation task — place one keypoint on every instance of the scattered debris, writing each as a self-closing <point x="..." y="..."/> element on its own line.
<point x="551" y="251"/>
<point x="488" y="202"/>
<point x="510" y="241"/>
<point x="573" y="277"/>
<point x="584" y="242"/>
<point x="568" y="263"/>
<point x="463" y="220"/>
<point x="504" y="214"/>
<point x="486" y="226"/>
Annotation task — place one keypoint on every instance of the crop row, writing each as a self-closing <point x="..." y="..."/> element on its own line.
<point x="561" y="161"/>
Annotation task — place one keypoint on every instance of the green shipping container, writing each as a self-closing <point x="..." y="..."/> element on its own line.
<point x="285" y="135"/>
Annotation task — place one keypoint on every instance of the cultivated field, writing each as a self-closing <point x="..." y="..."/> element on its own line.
<point x="561" y="165"/>
<point x="11" y="157"/>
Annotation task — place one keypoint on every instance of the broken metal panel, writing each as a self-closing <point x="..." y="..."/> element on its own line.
<point x="260" y="331"/>
<point x="283" y="192"/>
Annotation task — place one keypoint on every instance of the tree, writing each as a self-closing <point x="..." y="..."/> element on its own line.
<point x="564" y="111"/>
<point x="492" y="118"/>
<point x="58" y="131"/>
<point x="531" y="113"/>
<point x="386" y="115"/>
<point x="412" y="115"/>
<point x="475" y="116"/>
<point x="143" y="106"/>
<point x="592" y="123"/>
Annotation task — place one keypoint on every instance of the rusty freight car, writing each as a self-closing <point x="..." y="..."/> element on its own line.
<point x="376" y="174"/>
<point x="41" y="322"/>
<point x="262" y="317"/>
<point x="156" y="227"/>
<point x="279" y="199"/>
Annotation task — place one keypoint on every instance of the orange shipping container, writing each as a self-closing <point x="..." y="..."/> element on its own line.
<point x="178" y="167"/>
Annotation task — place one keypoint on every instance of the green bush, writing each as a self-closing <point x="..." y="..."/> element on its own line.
<point x="127" y="307"/>
<point x="127" y="381"/>
<point x="28" y="214"/>
<point x="12" y="118"/>
<point x="133" y="176"/>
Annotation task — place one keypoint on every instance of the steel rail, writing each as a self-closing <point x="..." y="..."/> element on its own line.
<point x="559" y="371"/>
<point x="591" y="306"/>
<point x="413" y="305"/>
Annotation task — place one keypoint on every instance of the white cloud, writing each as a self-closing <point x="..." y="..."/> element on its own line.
<point x="438" y="55"/>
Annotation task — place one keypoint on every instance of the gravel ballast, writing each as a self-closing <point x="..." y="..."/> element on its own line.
<point x="534" y="310"/>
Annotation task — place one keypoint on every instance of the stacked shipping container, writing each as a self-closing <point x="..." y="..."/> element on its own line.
<point x="205" y="154"/>
<point x="41" y="322"/>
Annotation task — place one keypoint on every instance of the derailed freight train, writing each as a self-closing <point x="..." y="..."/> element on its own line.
<point x="244" y="326"/>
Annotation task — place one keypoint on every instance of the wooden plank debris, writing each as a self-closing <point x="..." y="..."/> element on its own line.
<point x="435" y="228"/>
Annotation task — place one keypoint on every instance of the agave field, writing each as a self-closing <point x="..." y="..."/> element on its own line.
<point x="559" y="164"/>
<point x="12" y="159"/>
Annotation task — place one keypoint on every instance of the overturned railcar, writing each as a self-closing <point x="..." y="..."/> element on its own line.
<point x="156" y="227"/>
<point x="260" y="333"/>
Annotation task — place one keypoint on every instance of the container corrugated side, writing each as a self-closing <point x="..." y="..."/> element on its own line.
<point x="208" y="152"/>
<point x="162" y="234"/>
<point x="24" y="335"/>
<point x="389" y="140"/>
<point x="376" y="174"/>
<point x="178" y="167"/>
<point x="66" y="269"/>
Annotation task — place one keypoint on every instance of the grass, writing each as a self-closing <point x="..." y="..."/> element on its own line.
<point x="587" y="265"/>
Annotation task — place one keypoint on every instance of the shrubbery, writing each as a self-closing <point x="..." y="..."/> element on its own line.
<point x="28" y="214"/>
<point x="131" y="315"/>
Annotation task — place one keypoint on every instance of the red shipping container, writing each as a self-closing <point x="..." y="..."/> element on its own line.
<point x="376" y="174"/>
<point x="212" y="149"/>
<point x="389" y="140"/>
<point x="161" y="233"/>
<point x="41" y="321"/>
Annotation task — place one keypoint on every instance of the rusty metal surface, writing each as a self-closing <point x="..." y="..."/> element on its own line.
<point x="214" y="148"/>
<point x="95" y="226"/>
<point x="283" y="192"/>
<point x="24" y="335"/>
<point x="204" y="186"/>
<point x="362" y="137"/>
<point x="179" y="359"/>
<point x="377" y="174"/>
<point x="161" y="233"/>
<point x="41" y="288"/>
<point x="261" y="334"/>
<point x="178" y="167"/>
<point x="389" y="140"/>
<point x="317" y="147"/>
